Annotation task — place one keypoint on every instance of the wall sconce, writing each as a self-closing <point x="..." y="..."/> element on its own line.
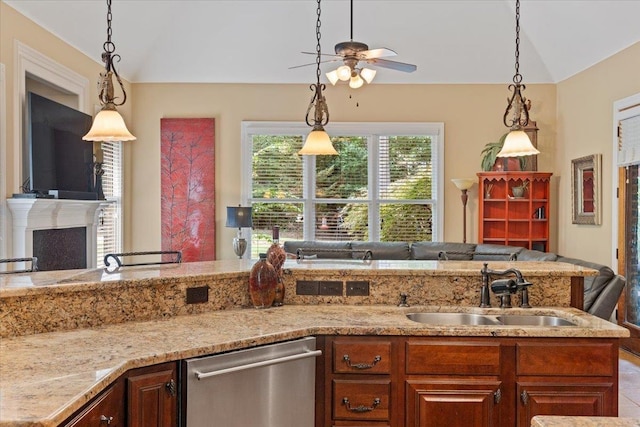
<point x="239" y="217"/>
<point x="464" y="184"/>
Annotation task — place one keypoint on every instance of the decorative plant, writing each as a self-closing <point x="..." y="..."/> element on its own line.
<point x="490" y="154"/>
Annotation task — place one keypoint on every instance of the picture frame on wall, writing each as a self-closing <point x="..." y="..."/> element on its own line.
<point x="586" y="190"/>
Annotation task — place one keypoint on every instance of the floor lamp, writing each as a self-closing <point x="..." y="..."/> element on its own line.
<point x="239" y="217"/>
<point x="464" y="184"/>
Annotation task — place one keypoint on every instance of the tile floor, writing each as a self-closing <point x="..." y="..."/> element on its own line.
<point x="629" y="385"/>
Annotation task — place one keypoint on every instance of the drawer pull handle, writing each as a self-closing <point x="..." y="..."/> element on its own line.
<point x="360" y="408"/>
<point x="524" y="396"/>
<point x="361" y="365"/>
<point x="105" y="420"/>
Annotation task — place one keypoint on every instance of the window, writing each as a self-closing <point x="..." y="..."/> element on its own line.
<point x="109" y="236"/>
<point x="384" y="185"/>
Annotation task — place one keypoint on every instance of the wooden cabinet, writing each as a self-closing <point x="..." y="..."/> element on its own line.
<point x="509" y="218"/>
<point x="144" y="397"/>
<point x="465" y="381"/>
<point x="107" y="409"/>
<point x="151" y="396"/>
<point x="566" y="378"/>
<point x="358" y="376"/>
<point x="453" y="382"/>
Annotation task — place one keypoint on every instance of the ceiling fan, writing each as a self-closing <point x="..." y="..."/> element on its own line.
<point x="352" y="53"/>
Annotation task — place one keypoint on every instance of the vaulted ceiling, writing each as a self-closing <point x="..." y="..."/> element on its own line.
<point x="256" y="41"/>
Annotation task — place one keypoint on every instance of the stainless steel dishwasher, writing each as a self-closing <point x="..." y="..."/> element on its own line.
<point x="268" y="386"/>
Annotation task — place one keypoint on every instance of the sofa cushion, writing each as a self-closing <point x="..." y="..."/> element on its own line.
<point x="319" y="249"/>
<point x="431" y="250"/>
<point x="489" y="252"/>
<point x="382" y="250"/>
<point x="592" y="285"/>
<point x="532" y="255"/>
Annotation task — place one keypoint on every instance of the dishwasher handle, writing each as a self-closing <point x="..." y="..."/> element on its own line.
<point x="203" y="375"/>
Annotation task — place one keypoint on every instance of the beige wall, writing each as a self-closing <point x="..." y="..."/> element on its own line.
<point x="472" y="115"/>
<point x="585" y="126"/>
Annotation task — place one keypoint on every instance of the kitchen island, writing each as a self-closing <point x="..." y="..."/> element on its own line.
<point x="46" y="377"/>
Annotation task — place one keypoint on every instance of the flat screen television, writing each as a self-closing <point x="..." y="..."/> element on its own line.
<point x="58" y="157"/>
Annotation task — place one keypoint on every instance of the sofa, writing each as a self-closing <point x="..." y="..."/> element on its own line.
<point x="601" y="292"/>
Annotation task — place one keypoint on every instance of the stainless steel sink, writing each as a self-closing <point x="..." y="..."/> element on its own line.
<point x="533" y="320"/>
<point x="471" y="319"/>
<point x="453" y="319"/>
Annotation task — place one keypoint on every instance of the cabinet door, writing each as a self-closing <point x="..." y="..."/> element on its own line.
<point x="453" y="403"/>
<point x="106" y="410"/>
<point x="152" y="396"/>
<point x="563" y="399"/>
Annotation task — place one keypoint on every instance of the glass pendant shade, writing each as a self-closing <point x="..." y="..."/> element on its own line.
<point x="344" y="72"/>
<point x="368" y="74"/>
<point x="355" y="82"/>
<point x="318" y="143"/>
<point x="108" y="126"/>
<point x="517" y="144"/>
<point x="333" y="76"/>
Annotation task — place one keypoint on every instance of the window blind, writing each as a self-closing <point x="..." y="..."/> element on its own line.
<point x="629" y="141"/>
<point x="109" y="236"/>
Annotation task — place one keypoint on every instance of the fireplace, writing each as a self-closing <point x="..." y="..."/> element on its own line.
<point x="60" y="232"/>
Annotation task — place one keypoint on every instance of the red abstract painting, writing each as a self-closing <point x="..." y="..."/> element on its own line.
<point x="188" y="188"/>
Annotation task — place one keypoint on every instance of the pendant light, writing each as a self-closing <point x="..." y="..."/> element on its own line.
<point x="318" y="141"/>
<point x="108" y="124"/>
<point x="517" y="143"/>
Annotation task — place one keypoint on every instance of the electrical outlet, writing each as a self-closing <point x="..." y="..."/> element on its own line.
<point x="330" y="288"/>
<point x="357" y="289"/>
<point x="306" y="287"/>
<point x="197" y="295"/>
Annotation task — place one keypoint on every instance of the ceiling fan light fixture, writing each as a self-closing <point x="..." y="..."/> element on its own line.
<point x="344" y="72"/>
<point x="368" y="74"/>
<point x="356" y="81"/>
<point x="333" y="77"/>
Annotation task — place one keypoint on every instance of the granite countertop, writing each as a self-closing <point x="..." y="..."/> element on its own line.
<point x="558" y="421"/>
<point x="46" y="377"/>
<point x="68" y="280"/>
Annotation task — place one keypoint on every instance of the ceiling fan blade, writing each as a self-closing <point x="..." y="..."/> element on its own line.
<point x="394" y="65"/>
<point x="323" y="54"/>
<point x="313" y="63"/>
<point x="382" y="52"/>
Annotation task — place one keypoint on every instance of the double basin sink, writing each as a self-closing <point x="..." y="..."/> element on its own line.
<point x="473" y="319"/>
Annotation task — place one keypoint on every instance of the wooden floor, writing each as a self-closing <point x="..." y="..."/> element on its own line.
<point x="629" y="385"/>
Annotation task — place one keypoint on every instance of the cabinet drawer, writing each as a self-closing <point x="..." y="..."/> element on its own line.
<point x="361" y="357"/>
<point x="108" y="407"/>
<point x="566" y="359"/>
<point x="361" y="400"/>
<point x="452" y="357"/>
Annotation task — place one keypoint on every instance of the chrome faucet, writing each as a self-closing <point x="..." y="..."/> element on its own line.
<point x="504" y="288"/>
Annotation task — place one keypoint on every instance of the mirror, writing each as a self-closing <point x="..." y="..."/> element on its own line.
<point x="586" y="189"/>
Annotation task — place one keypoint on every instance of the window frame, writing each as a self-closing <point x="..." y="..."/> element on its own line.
<point x="369" y="130"/>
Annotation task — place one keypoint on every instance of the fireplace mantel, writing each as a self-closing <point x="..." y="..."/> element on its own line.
<point x="45" y="214"/>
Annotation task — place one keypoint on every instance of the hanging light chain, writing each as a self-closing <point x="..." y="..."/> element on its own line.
<point x="318" y="35"/>
<point x="105" y="84"/>
<point x="318" y="102"/>
<point x="517" y="78"/>
<point x="518" y="103"/>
